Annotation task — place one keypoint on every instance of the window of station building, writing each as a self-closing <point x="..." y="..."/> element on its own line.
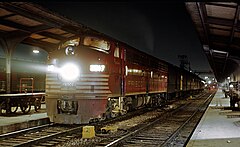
<point x="116" y="52"/>
<point x="97" y="43"/>
<point x="72" y="42"/>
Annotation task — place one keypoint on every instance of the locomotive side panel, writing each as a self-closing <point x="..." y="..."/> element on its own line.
<point x="146" y="79"/>
<point x="177" y="83"/>
<point x="158" y="76"/>
<point x="173" y="82"/>
<point x="182" y="82"/>
<point x="136" y="73"/>
<point x="146" y="74"/>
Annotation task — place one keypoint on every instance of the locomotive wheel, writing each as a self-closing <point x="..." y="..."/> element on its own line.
<point x="37" y="105"/>
<point x="25" y="107"/>
<point x="3" y="108"/>
<point x="13" y="106"/>
<point x="14" y="109"/>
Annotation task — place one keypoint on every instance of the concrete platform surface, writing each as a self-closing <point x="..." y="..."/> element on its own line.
<point x="19" y="120"/>
<point x="218" y="127"/>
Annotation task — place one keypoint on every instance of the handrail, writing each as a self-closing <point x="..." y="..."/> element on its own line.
<point x="21" y="86"/>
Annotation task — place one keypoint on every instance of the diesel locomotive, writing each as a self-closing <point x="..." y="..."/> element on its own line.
<point x="91" y="78"/>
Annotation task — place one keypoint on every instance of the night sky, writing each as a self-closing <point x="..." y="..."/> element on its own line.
<point x="162" y="29"/>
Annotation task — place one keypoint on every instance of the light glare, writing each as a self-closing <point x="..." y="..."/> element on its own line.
<point x="69" y="72"/>
<point x="51" y="68"/>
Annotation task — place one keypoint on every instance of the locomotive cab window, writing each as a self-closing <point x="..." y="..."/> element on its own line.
<point x="116" y="52"/>
<point x="97" y="43"/>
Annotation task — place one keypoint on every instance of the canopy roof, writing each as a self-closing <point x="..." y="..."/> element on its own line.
<point x="217" y="24"/>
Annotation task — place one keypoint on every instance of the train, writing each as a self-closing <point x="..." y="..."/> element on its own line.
<point x="91" y="78"/>
<point x="27" y="84"/>
<point x="26" y="80"/>
<point x="28" y="71"/>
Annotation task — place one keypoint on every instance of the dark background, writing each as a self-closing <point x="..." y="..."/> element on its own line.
<point x="162" y="29"/>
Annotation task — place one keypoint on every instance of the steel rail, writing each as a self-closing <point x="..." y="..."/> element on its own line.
<point x="185" y="123"/>
<point x="125" y="137"/>
<point x="5" y="135"/>
<point x="145" y="126"/>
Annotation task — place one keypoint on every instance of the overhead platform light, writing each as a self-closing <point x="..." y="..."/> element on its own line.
<point x="35" y="51"/>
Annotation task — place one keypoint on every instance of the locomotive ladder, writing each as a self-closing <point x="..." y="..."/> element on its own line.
<point x="23" y="87"/>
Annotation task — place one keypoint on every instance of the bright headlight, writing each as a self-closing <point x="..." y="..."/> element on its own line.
<point x="69" y="72"/>
<point x="97" y="68"/>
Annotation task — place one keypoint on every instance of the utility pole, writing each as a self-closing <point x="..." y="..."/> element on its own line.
<point x="184" y="63"/>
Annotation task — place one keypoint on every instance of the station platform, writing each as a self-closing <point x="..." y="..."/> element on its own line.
<point x="218" y="127"/>
<point x="18" y="121"/>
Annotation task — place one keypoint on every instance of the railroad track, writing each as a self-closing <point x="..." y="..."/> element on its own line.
<point x="47" y="135"/>
<point x="182" y="135"/>
<point x="52" y="135"/>
<point x="172" y="129"/>
<point x="57" y="135"/>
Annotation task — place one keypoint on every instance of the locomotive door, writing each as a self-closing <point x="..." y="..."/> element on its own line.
<point x="118" y="65"/>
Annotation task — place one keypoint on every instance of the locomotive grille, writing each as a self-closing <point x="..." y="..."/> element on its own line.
<point x="88" y="84"/>
<point x="93" y="84"/>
